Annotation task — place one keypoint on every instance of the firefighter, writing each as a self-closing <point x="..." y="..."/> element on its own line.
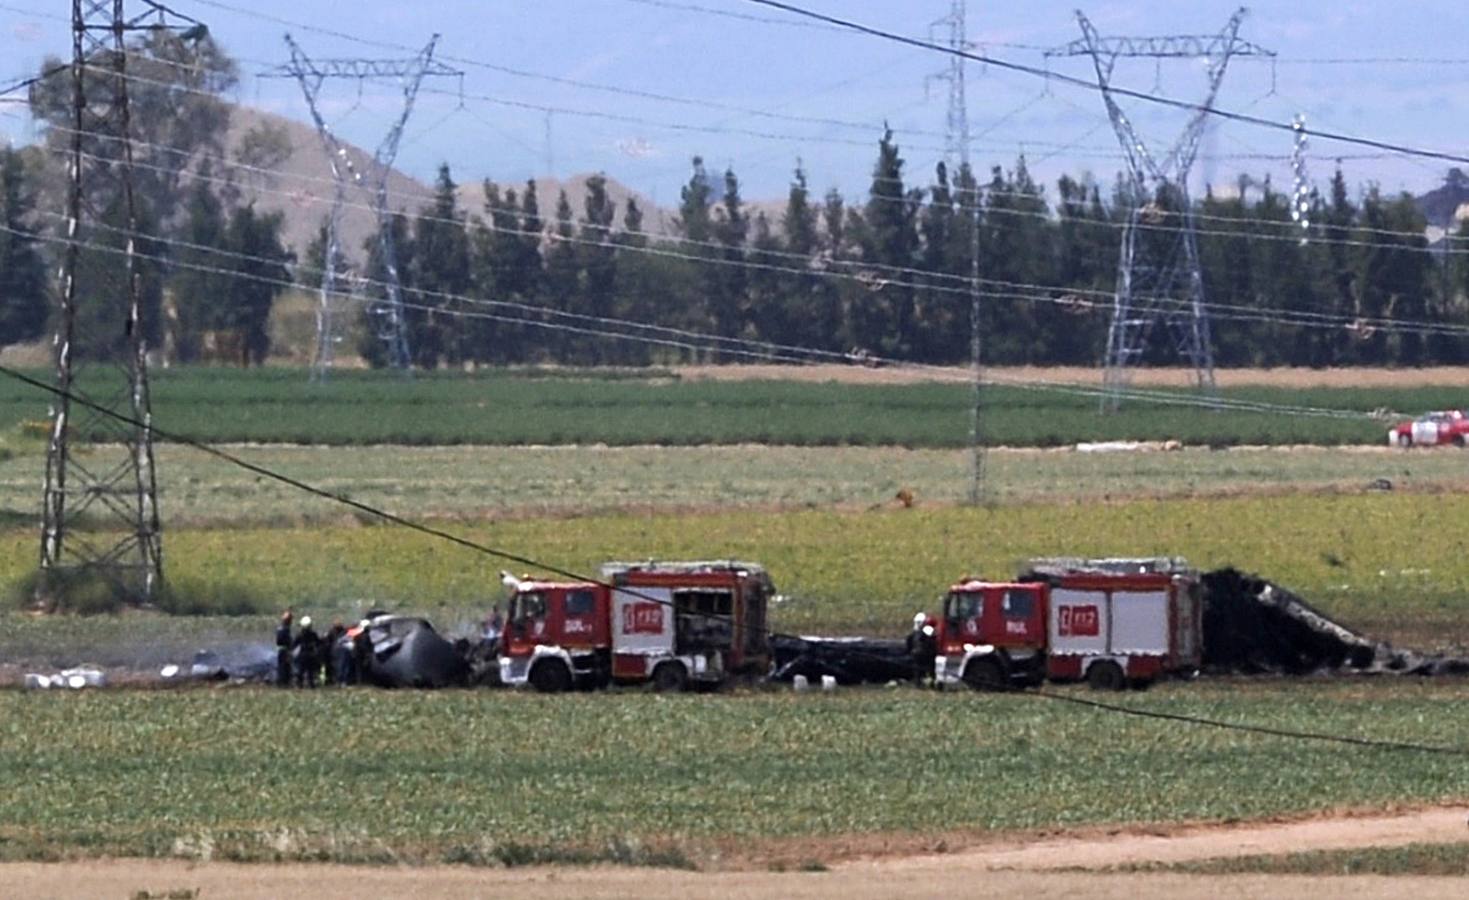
<point x="346" y="662"/>
<point x="361" y="650"/>
<point x="922" y="647"/>
<point x="330" y="669"/>
<point x="308" y="654"/>
<point x="283" y="650"/>
<point x="494" y="625"/>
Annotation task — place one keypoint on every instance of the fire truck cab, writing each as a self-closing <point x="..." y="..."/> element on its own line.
<point x="556" y="636"/>
<point x="1111" y="622"/>
<point x="675" y="625"/>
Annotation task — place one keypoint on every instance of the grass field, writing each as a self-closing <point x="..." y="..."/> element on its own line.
<point x="499" y="482"/>
<point x="1445" y="860"/>
<point x="279" y="405"/>
<point x="476" y="777"/>
<point x="1393" y="564"/>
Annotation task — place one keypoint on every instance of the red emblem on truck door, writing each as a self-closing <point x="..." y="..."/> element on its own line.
<point x="642" y="618"/>
<point x="1078" y="621"/>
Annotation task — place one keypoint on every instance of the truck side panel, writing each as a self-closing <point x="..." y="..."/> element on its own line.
<point x="1078" y="622"/>
<point x="1140" y="622"/>
<point x="642" y="622"/>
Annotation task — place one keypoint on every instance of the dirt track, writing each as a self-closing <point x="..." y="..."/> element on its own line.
<point x="1448" y="376"/>
<point x="991" y="870"/>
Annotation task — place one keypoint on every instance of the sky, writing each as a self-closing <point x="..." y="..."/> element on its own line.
<point x="1394" y="72"/>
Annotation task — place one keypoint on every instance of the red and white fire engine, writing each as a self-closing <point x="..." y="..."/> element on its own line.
<point x="1448" y="426"/>
<point x="675" y="624"/>
<point x="1112" y="622"/>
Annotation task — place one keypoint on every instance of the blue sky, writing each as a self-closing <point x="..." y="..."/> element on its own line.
<point x="721" y="61"/>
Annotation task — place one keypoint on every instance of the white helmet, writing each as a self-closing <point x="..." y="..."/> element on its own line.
<point x="305" y="621"/>
<point x="919" y="620"/>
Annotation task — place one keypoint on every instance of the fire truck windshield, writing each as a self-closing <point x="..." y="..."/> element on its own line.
<point x="963" y="605"/>
<point x="527" y="606"/>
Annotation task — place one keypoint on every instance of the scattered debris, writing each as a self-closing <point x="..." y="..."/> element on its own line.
<point x="238" y="662"/>
<point x="75" y="679"/>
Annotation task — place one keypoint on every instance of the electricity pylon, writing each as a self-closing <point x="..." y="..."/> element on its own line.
<point x="100" y="504"/>
<point x="956" y="149"/>
<point x="1158" y="273"/>
<point x="387" y="316"/>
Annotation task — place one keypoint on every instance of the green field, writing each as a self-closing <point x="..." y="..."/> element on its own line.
<point x="279" y="405"/>
<point x="1393" y="564"/>
<point x="474" y="776"/>
<point x="497" y="482"/>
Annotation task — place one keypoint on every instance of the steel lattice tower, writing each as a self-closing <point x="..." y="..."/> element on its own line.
<point x="311" y="75"/>
<point x="956" y="149"/>
<point x="1158" y="271"/>
<point x="100" y="508"/>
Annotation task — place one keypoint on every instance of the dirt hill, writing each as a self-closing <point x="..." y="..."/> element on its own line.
<point x="303" y="188"/>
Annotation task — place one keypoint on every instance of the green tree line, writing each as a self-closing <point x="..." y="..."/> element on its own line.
<point x="889" y="277"/>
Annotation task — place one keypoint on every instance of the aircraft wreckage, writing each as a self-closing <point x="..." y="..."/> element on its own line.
<point x="1246" y="625"/>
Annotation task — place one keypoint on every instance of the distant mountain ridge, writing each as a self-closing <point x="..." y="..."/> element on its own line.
<point x="303" y="188"/>
<point x="299" y="186"/>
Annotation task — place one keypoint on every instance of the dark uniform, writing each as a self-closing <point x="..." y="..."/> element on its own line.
<point x="308" y="656"/>
<point x="922" y="647"/>
<point x="329" y="657"/>
<point x="283" y="652"/>
<point x="361" y="653"/>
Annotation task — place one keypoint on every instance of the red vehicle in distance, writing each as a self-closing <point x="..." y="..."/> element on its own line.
<point x="1433" y="429"/>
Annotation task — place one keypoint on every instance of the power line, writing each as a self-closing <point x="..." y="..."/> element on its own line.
<point x="987" y="191"/>
<point x="761" y="349"/>
<point x="839" y="24"/>
<point x="760" y="135"/>
<point x="1285" y="224"/>
<point x="522" y="559"/>
<point x="864" y="274"/>
<point x="1031" y="293"/>
<point x="1059" y="147"/>
<point x="1130" y="93"/>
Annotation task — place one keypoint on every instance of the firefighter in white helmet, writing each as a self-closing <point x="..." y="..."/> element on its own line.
<point x="922" y="645"/>
<point x="307" y="647"/>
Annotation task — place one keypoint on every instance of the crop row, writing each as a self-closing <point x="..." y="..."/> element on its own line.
<point x="498" y="408"/>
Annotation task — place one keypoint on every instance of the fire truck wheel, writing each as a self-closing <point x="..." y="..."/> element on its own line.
<point x="550" y="676"/>
<point x="985" y="674"/>
<point x="1106" y="676"/>
<point x="1405" y="441"/>
<point x="670" y="677"/>
<point x="1459" y="441"/>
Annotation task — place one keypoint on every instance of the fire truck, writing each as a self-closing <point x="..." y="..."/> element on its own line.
<point x="1110" y="622"/>
<point x="675" y="625"/>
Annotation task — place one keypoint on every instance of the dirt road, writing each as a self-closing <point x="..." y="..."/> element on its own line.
<point x="988" y="870"/>
<point x="1448" y="376"/>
